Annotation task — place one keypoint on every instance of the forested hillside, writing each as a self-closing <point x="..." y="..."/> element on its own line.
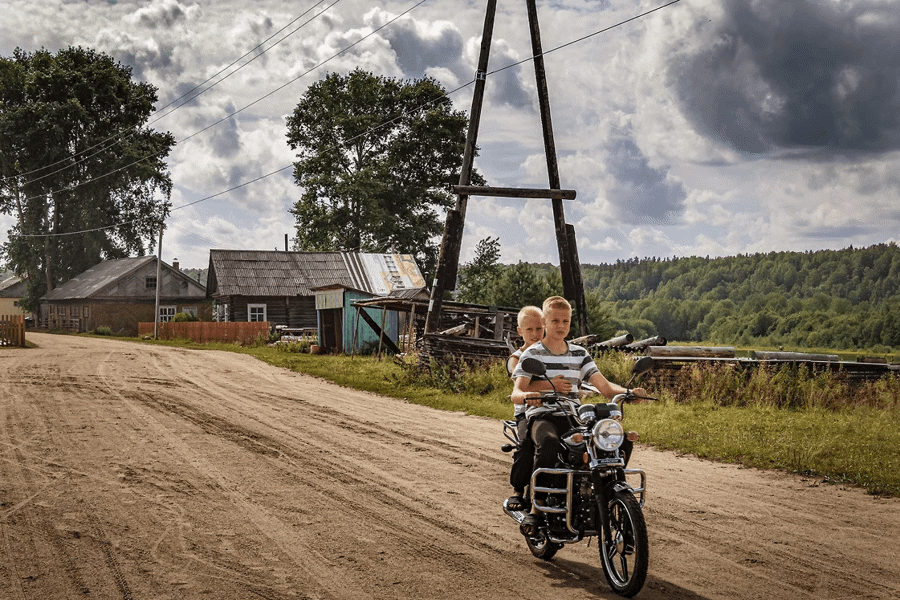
<point x="844" y="299"/>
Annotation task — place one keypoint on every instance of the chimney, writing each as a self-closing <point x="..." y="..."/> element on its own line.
<point x="175" y="264"/>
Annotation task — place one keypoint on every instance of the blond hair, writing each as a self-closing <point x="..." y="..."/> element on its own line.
<point x="526" y="311"/>
<point x="556" y="302"/>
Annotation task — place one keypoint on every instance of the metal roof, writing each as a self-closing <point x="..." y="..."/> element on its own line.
<point x="276" y="273"/>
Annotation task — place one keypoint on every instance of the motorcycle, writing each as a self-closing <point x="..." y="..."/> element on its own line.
<point x="596" y="500"/>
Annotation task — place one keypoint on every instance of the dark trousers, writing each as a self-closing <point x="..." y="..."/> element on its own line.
<point x="523" y="458"/>
<point x="546" y="432"/>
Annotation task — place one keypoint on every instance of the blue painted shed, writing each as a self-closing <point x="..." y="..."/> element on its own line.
<point x="345" y="328"/>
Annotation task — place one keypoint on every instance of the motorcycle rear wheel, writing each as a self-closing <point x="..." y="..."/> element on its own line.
<point x="625" y="551"/>
<point x="541" y="547"/>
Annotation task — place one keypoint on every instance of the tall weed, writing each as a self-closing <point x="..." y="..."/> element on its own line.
<point x="790" y="387"/>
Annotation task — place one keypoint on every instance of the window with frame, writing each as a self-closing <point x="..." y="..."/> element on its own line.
<point x="166" y="313"/>
<point x="150" y="282"/>
<point x="222" y="313"/>
<point x="256" y="312"/>
<point x="190" y="310"/>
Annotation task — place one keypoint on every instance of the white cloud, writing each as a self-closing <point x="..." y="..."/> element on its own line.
<point x="675" y="130"/>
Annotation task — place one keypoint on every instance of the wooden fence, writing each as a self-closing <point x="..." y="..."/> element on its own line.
<point x="12" y="330"/>
<point x="202" y="332"/>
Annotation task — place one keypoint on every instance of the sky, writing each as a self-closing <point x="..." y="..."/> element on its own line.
<point x="704" y="128"/>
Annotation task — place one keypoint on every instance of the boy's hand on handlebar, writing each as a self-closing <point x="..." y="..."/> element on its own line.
<point x="533" y="399"/>
<point x="639" y="395"/>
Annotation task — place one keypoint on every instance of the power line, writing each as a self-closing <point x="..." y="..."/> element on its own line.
<point x="386" y="123"/>
<point x="118" y="138"/>
<point x="240" y="110"/>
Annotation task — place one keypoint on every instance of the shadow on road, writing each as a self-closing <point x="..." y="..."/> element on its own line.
<point x="589" y="579"/>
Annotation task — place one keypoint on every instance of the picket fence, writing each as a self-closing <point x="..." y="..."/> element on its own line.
<point x="203" y="332"/>
<point x="12" y="330"/>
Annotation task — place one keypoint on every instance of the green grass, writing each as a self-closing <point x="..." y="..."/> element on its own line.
<point x="855" y="446"/>
<point x="799" y="422"/>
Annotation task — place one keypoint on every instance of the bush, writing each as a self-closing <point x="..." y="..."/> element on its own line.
<point x="103" y="330"/>
<point x="184" y="317"/>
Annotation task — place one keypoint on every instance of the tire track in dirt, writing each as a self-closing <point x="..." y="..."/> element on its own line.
<point x="326" y="475"/>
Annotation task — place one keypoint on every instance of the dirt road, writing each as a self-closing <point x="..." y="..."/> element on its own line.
<point x="137" y="472"/>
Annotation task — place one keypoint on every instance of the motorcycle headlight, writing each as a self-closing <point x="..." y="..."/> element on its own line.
<point x="607" y="435"/>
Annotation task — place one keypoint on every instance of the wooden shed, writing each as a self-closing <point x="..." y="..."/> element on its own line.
<point x="344" y="327"/>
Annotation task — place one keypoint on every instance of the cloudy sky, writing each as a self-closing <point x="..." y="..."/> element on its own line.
<point x="708" y="127"/>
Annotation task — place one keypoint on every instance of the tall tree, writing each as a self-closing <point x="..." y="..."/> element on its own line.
<point x="478" y="278"/>
<point x="75" y="158"/>
<point x="375" y="157"/>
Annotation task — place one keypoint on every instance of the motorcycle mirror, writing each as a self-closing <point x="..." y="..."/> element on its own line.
<point x="533" y="366"/>
<point x="644" y="364"/>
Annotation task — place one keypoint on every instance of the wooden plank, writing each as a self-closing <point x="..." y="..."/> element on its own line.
<point x="379" y="332"/>
<point x="691" y="351"/>
<point x="509" y="192"/>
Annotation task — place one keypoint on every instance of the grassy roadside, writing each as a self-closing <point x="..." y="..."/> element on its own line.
<point x="822" y="429"/>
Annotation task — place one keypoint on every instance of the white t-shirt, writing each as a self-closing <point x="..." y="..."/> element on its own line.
<point x="575" y="365"/>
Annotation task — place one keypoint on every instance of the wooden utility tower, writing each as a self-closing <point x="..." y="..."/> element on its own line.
<point x="448" y="260"/>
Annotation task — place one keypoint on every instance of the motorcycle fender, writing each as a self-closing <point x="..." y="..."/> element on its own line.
<point x="622" y="486"/>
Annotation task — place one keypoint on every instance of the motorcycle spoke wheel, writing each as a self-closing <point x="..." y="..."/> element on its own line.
<point x="624" y="549"/>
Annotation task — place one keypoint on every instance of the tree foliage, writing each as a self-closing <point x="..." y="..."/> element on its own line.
<point x="75" y="158"/>
<point x="375" y="157"/>
<point x="478" y="278"/>
<point x="844" y="299"/>
<point x="841" y="299"/>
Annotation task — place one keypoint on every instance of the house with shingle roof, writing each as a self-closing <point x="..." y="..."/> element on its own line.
<point x="12" y="291"/>
<point x="121" y="293"/>
<point x="279" y="287"/>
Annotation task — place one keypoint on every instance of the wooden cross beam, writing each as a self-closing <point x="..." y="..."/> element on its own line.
<point x="481" y="190"/>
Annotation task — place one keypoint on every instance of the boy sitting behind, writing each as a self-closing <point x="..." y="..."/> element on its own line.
<point x="530" y="326"/>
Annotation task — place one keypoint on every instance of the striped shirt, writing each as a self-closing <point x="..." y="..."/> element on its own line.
<point x="575" y="365"/>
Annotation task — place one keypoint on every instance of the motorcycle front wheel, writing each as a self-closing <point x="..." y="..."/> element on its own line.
<point x="624" y="550"/>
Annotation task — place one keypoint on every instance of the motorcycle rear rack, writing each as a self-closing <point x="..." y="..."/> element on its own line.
<point x="511" y="432"/>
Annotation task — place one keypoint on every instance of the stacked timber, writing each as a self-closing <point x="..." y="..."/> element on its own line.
<point x="597" y="343"/>
<point x="691" y="352"/>
<point x="642" y="345"/>
<point x="442" y="347"/>
<point x="803" y="357"/>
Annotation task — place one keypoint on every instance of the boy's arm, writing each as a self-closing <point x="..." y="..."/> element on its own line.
<point x="524" y="391"/>
<point x="610" y="389"/>
<point x="525" y="387"/>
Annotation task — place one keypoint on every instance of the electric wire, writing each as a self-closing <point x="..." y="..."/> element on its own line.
<point x="116" y="139"/>
<point x="233" y="114"/>
<point x="371" y="130"/>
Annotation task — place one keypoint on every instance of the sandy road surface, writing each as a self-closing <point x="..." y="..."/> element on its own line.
<point x="129" y="471"/>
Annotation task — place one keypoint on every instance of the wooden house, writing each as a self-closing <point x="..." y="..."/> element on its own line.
<point x="278" y="287"/>
<point x="12" y="292"/>
<point x="121" y="293"/>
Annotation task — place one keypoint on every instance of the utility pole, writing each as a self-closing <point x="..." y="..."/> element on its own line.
<point x="162" y="225"/>
<point x="448" y="259"/>
<point x="573" y="288"/>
